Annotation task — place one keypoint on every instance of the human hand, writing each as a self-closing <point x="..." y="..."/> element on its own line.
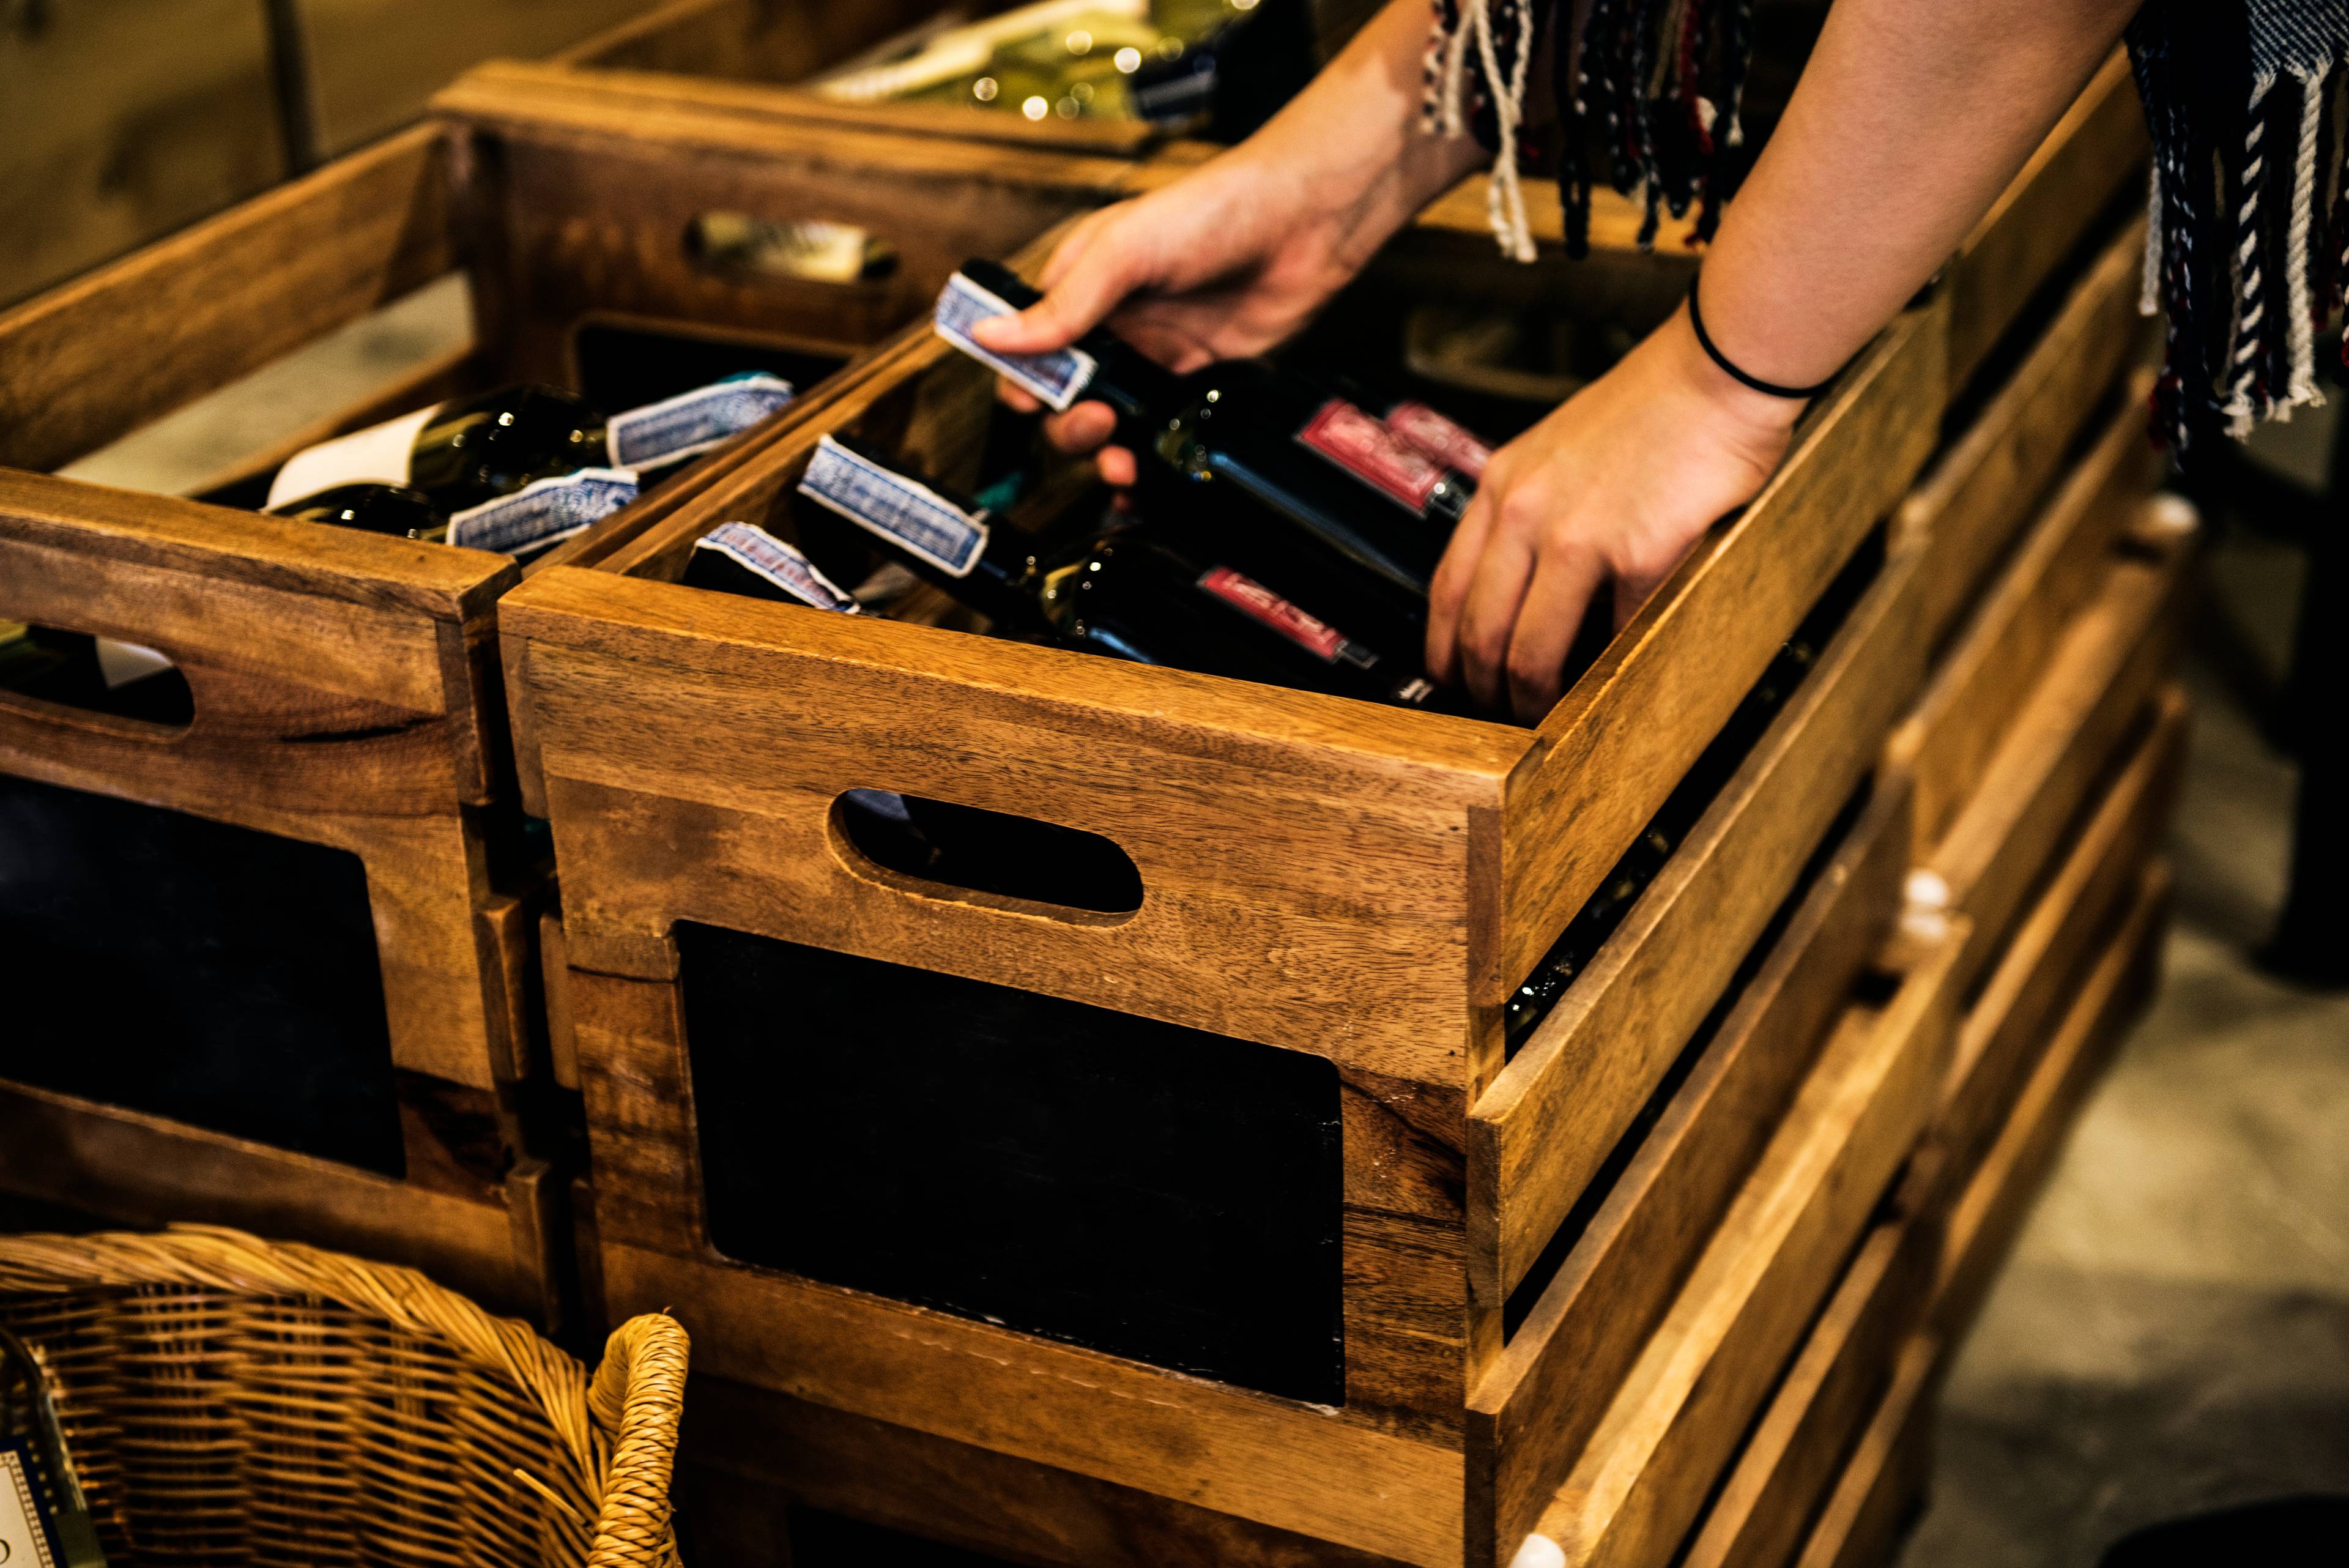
<point x="1614" y="487"/>
<point x="1225" y="263"/>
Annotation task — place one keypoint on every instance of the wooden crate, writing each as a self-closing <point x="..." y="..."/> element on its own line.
<point x="345" y="685"/>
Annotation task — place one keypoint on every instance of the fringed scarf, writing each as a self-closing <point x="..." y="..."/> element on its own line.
<point x="2248" y="246"/>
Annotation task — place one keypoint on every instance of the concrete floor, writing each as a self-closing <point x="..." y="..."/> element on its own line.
<point x="2171" y="1333"/>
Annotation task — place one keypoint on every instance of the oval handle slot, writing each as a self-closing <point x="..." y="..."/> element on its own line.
<point x="996" y="853"/>
<point x="95" y="674"/>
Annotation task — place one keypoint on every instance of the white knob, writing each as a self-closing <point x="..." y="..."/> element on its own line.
<point x="1539" y="1551"/>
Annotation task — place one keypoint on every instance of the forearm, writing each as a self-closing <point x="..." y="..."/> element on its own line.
<point x="1911" y="117"/>
<point x="1349" y="148"/>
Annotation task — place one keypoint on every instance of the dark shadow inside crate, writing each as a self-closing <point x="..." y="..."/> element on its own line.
<point x="194" y="970"/>
<point x="822" y="1540"/>
<point x="1135" y="1187"/>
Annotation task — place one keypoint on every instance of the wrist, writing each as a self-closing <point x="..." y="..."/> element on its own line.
<point x="1763" y="414"/>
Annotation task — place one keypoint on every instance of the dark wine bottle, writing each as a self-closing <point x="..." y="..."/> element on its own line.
<point x="1122" y="590"/>
<point x="458" y="454"/>
<point x="394" y="509"/>
<point x="1300" y="486"/>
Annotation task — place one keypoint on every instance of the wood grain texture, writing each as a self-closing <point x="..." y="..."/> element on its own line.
<point x="1711" y="1364"/>
<point x="1287" y="1466"/>
<point x="1873" y="1498"/>
<point x="1342" y="831"/>
<point x="135" y="1169"/>
<point x="112" y="140"/>
<point x="1615" y="744"/>
<point x="2098" y="682"/>
<point x="2044" y="213"/>
<point x="1547" y="1121"/>
<point x="373" y="63"/>
<point x="1991" y="1206"/>
<point x="1671" y="1427"/>
<point x="750" y="1456"/>
<point x="1819" y="1413"/>
<point x="1982" y="685"/>
<point x="2088" y="893"/>
<point x="1533" y="1412"/>
<point x="195" y="311"/>
<point x="1994" y="476"/>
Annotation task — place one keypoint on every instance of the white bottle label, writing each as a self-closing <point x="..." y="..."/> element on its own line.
<point x="543" y="511"/>
<point x="756" y="551"/>
<point x="693" y="423"/>
<point x="379" y="454"/>
<point x="123" y="663"/>
<point x="908" y="513"/>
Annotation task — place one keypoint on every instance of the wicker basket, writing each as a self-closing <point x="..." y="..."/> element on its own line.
<point x="229" y="1399"/>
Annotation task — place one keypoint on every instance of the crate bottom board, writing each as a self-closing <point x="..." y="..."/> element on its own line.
<point x="752" y="1459"/>
<point x="136" y="1171"/>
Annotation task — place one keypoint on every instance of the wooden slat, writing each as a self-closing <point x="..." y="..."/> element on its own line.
<point x="1531" y="1415"/>
<point x="1969" y="505"/>
<point x="2025" y="993"/>
<point x="2077" y="172"/>
<point x="1671" y="1427"/>
<point x="750" y="1456"/>
<point x="1843" y="1372"/>
<point x="142" y="1170"/>
<point x="1873" y="1498"/>
<point x="1537" y="1135"/>
<point x="2098" y="682"/>
<point x="1996" y="1196"/>
<point x="1980" y="688"/>
<point x="1257" y="1458"/>
<point x="1345" y="875"/>
<point x="100" y="355"/>
<point x="1614" y="746"/>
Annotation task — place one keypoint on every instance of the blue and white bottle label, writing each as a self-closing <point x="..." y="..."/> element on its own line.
<point x="1055" y="379"/>
<point x="908" y="513"/>
<point x="693" y="423"/>
<point x="755" y="550"/>
<point x="543" y="511"/>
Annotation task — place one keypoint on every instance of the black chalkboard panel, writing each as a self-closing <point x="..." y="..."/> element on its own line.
<point x="1153" y="1191"/>
<point x="191" y="970"/>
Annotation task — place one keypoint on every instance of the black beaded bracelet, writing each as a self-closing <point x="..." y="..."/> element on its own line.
<point x="1696" y="320"/>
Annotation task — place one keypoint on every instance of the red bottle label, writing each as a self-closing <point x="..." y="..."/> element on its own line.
<point x="1371" y="453"/>
<point x="1260" y="603"/>
<point x="1429" y="433"/>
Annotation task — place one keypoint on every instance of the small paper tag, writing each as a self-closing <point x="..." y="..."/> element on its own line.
<point x="543" y="511"/>
<point x="121" y="663"/>
<point x="1056" y="377"/>
<point x="24" y="1534"/>
<point x="1371" y="453"/>
<point x="693" y="423"/>
<point x="909" y="514"/>
<point x="755" y="550"/>
<point x="1309" y="632"/>
<point x="1433" y="435"/>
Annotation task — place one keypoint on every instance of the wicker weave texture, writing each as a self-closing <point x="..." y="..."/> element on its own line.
<point x="234" y="1400"/>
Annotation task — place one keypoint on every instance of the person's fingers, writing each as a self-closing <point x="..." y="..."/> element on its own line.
<point x="1096" y="283"/>
<point x="1489" y="615"/>
<point x="1069" y="251"/>
<point x="1566" y="583"/>
<point x="1084" y="427"/>
<point x="1447" y="593"/>
<point x="1117" y="466"/>
<point x="1016" y="399"/>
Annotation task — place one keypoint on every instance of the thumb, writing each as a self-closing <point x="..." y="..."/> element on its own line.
<point x="1097" y="285"/>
